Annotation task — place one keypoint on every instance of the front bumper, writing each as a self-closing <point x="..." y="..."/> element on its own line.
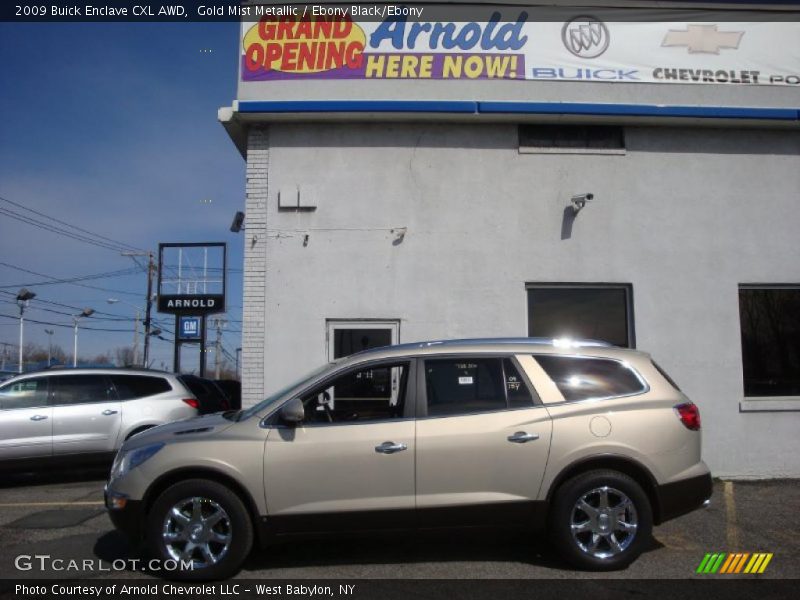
<point x="129" y="519"/>
<point x="684" y="496"/>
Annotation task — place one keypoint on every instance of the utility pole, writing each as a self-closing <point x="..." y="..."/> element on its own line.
<point x="49" y="333"/>
<point x="23" y="299"/>
<point x="151" y="269"/>
<point x="219" y="323"/>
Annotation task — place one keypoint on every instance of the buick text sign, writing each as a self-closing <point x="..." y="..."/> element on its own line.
<point x="191" y="303"/>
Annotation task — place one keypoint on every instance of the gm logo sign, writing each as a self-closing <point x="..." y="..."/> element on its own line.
<point x="190" y="328"/>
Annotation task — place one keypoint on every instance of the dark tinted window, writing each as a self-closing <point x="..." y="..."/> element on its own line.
<point x="28" y="393"/>
<point x="81" y="389"/>
<point x="350" y="341"/>
<point x="581" y="378"/>
<point x="376" y="393"/>
<point x="130" y="387"/>
<point x="571" y="136"/>
<point x="580" y="312"/>
<point x="464" y="385"/>
<point x="519" y="396"/>
<point x="210" y="397"/>
<point x="770" y="324"/>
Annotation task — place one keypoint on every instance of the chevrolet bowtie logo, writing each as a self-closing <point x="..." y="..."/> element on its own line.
<point x="703" y="39"/>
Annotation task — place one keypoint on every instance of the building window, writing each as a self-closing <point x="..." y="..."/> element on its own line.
<point x="770" y="323"/>
<point x="571" y="139"/>
<point x="601" y="312"/>
<point x="346" y="337"/>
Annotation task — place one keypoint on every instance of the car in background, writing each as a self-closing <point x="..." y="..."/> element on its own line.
<point x="210" y="397"/>
<point x="591" y="443"/>
<point x="62" y="414"/>
<point x="233" y="390"/>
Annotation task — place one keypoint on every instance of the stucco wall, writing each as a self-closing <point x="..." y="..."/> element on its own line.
<point x="685" y="216"/>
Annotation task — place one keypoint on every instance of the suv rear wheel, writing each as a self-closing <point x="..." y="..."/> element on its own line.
<point x="203" y="523"/>
<point x="601" y="520"/>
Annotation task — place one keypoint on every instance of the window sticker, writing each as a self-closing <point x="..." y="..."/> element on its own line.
<point x="465" y="381"/>
<point x="513" y="384"/>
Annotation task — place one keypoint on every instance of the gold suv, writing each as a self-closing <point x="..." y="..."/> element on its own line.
<point x="591" y="442"/>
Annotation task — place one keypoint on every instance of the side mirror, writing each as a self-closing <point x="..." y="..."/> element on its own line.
<point x="293" y="412"/>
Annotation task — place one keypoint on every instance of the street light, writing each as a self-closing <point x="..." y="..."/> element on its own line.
<point x="135" y="327"/>
<point x="49" y="333"/>
<point x="23" y="299"/>
<point x="87" y="312"/>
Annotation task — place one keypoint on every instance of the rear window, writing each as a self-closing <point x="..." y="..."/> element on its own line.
<point x="582" y="378"/>
<point x="130" y="387"/>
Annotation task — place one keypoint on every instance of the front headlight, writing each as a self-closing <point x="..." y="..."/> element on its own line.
<point x="126" y="461"/>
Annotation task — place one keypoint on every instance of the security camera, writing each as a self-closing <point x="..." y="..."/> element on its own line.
<point x="579" y="201"/>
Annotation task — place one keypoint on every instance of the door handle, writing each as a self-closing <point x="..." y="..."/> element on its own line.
<point x="522" y="436"/>
<point x="108" y="412"/>
<point x="390" y="448"/>
<point x="38" y="417"/>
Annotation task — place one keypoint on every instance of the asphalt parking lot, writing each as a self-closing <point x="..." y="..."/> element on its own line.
<point x="62" y="515"/>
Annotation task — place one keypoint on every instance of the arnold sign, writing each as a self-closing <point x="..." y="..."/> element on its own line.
<point x="510" y="46"/>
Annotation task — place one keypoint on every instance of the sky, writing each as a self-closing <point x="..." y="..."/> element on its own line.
<point x="112" y="128"/>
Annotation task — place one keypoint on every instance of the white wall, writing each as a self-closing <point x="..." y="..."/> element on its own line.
<point x="685" y="216"/>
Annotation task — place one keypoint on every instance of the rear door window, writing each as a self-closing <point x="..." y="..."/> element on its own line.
<point x="464" y="385"/>
<point x="130" y="387"/>
<point x="81" y="389"/>
<point x="584" y="378"/>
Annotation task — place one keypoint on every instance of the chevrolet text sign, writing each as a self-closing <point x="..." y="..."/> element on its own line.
<point x="507" y="45"/>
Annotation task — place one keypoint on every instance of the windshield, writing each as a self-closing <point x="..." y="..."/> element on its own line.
<point x="269" y="400"/>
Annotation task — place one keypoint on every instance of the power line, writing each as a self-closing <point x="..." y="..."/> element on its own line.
<point x="52" y="303"/>
<point x="85" y="285"/>
<point x="115" y="245"/>
<point x="68" y="314"/>
<point x="109" y="274"/>
<point x="66" y="325"/>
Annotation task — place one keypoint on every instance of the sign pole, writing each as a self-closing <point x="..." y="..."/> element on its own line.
<point x="176" y="358"/>
<point x="203" y="346"/>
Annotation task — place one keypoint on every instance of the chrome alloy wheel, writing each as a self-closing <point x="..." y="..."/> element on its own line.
<point x="603" y="522"/>
<point x="197" y="530"/>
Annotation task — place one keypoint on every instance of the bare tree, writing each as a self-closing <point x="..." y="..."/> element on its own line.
<point x="124" y="356"/>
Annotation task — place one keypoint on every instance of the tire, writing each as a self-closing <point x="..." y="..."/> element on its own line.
<point x="603" y="539"/>
<point x="217" y="542"/>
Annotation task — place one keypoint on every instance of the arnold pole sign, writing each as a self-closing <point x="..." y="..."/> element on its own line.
<point x="191" y="286"/>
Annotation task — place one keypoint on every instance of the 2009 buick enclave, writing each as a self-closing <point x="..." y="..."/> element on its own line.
<point x="592" y="442"/>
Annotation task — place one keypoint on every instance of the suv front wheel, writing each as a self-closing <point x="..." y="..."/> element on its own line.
<point x="201" y="527"/>
<point x="601" y="520"/>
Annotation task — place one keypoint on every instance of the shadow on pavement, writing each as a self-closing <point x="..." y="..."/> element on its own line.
<point x="49" y="477"/>
<point x="406" y="548"/>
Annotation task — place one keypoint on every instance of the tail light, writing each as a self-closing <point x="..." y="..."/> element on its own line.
<point x="192" y="402"/>
<point x="689" y="415"/>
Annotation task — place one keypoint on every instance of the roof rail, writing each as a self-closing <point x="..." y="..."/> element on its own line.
<point x="526" y="341"/>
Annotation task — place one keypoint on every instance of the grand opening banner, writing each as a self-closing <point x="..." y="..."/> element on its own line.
<point x="339" y="42"/>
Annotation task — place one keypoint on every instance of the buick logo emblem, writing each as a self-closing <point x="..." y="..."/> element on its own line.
<point x="585" y="37"/>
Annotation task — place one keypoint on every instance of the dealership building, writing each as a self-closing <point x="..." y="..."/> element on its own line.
<point x="512" y="171"/>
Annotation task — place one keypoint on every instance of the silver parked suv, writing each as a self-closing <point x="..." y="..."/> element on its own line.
<point x="84" y="414"/>
<point x="593" y="442"/>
